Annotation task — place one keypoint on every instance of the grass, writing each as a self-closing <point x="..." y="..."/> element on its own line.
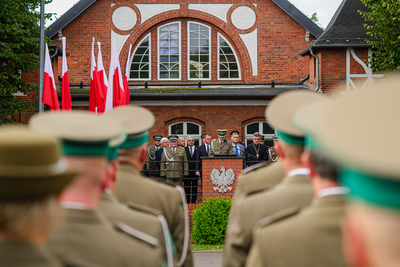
<point x="207" y="247"/>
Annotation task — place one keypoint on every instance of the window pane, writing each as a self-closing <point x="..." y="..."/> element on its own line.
<point x="228" y="63"/>
<point x="141" y="61"/>
<point x="169" y="55"/>
<point x="177" y="128"/>
<point x="252" y="128"/>
<point x="193" y="128"/>
<point x="199" y="47"/>
<point x="267" y="129"/>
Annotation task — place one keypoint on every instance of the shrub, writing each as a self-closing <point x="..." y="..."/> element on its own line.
<point x="209" y="221"/>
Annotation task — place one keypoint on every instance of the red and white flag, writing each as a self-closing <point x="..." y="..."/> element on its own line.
<point x="115" y="85"/>
<point x="49" y="87"/>
<point x="103" y="79"/>
<point x="96" y="96"/>
<point x="65" y="91"/>
<point x="125" y="99"/>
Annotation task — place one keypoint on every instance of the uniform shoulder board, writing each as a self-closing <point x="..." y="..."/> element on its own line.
<point x="278" y="216"/>
<point x="136" y="234"/>
<point x="255" y="167"/>
<point x="138" y="207"/>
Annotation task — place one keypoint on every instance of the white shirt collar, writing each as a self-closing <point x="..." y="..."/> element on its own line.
<point x="73" y="205"/>
<point x="299" y="171"/>
<point x="337" y="190"/>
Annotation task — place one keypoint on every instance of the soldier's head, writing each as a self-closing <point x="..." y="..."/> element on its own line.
<point x="221" y="134"/>
<point x="207" y="138"/>
<point x="256" y="138"/>
<point x="190" y="141"/>
<point x="262" y="139"/>
<point x="32" y="176"/>
<point x="157" y="139"/>
<point x="164" y="142"/>
<point x="235" y="137"/>
<point x="173" y="141"/>
<point x="181" y="141"/>
<point x="275" y="141"/>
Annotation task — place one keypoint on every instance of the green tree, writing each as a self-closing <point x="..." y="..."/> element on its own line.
<point x="19" y="53"/>
<point x="382" y="23"/>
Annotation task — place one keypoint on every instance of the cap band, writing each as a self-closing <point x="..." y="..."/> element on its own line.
<point x="312" y="143"/>
<point x="372" y="189"/>
<point x="112" y="153"/>
<point x="90" y="149"/>
<point x="131" y="142"/>
<point x="291" y="139"/>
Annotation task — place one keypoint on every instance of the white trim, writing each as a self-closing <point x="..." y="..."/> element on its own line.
<point x="260" y="130"/>
<point x="251" y="42"/>
<point x="218" y="10"/>
<point x="133" y="54"/>
<point x="179" y="56"/>
<point x="148" y="11"/>
<point x="188" y="51"/>
<point x="236" y="57"/>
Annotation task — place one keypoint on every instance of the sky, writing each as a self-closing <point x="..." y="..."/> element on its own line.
<point x="324" y="8"/>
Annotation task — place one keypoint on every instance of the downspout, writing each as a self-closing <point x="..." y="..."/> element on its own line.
<point x="317" y="63"/>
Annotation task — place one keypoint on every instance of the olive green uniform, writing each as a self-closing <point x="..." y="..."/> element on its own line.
<point x="295" y="190"/>
<point x="86" y="235"/>
<point x="149" y="224"/>
<point x="272" y="154"/>
<point x="151" y="166"/>
<point x="221" y="148"/>
<point x="311" y="238"/>
<point x="172" y="170"/>
<point x="132" y="187"/>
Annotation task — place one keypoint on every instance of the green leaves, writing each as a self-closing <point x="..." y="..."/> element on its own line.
<point x="209" y="221"/>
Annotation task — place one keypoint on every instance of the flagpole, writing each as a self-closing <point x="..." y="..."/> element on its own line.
<point x="41" y="56"/>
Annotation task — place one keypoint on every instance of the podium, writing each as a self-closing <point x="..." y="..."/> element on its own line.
<point x="219" y="175"/>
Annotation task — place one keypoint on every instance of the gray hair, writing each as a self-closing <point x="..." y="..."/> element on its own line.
<point x="163" y="139"/>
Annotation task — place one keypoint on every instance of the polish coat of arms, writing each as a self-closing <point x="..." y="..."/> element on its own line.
<point x="222" y="179"/>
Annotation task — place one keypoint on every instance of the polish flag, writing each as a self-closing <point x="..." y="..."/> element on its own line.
<point x="65" y="92"/>
<point x="125" y="99"/>
<point x="49" y="87"/>
<point x="115" y="85"/>
<point x="103" y="79"/>
<point x="96" y="96"/>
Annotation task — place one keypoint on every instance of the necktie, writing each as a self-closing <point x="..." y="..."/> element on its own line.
<point x="237" y="151"/>
<point x="207" y="149"/>
<point x="191" y="151"/>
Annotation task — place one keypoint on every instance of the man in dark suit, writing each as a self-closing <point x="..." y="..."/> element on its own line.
<point x="256" y="152"/>
<point x="190" y="184"/>
<point x="202" y="151"/>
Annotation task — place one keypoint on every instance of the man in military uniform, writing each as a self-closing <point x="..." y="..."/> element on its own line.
<point x="221" y="146"/>
<point x="372" y="222"/>
<point x="151" y="166"/>
<point x="132" y="187"/>
<point x="272" y="151"/>
<point x="174" y="162"/>
<point x="315" y="228"/>
<point x="295" y="189"/>
<point x="84" y="233"/>
<point x="32" y="175"/>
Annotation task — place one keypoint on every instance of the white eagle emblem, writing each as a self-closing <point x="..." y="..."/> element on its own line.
<point x="222" y="180"/>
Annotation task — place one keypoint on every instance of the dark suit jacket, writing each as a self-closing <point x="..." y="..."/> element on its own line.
<point x="201" y="152"/>
<point x="158" y="157"/>
<point x="262" y="154"/>
<point x="192" y="160"/>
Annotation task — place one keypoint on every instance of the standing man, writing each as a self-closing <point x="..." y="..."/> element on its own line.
<point x="256" y="152"/>
<point x="164" y="144"/>
<point x="151" y="166"/>
<point x="221" y="146"/>
<point x="239" y="148"/>
<point x="203" y="151"/>
<point x="190" y="184"/>
<point x="174" y="163"/>
<point x="272" y="151"/>
<point x="181" y="142"/>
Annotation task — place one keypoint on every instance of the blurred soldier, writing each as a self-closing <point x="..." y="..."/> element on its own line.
<point x="32" y="175"/>
<point x="132" y="187"/>
<point x="174" y="163"/>
<point x="295" y="189"/>
<point x="191" y="183"/>
<point x="159" y="152"/>
<point x="272" y="151"/>
<point x="221" y="146"/>
<point x="202" y="151"/>
<point x="181" y="142"/>
<point x="372" y="222"/>
<point x="136" y="216"/>
<point x="315" y="228"/>
<point x="256" y="152"/>
<point x="84" y="233"/>
<point x="151" y="166"/>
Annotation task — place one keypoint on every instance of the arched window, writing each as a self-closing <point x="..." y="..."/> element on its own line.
<point x="185" y="129"/>
<point x="263" y="128"/>
<point x="193" y="37"/>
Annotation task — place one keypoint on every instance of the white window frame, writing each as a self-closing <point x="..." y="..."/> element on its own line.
<point x="185" y="134"/>
<point x="260" y="127"/>
<point x="236" y="57"/>
<point x="130" y="62"/>
<point x="180" y="52"/>
<point x="188" y="52"/>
